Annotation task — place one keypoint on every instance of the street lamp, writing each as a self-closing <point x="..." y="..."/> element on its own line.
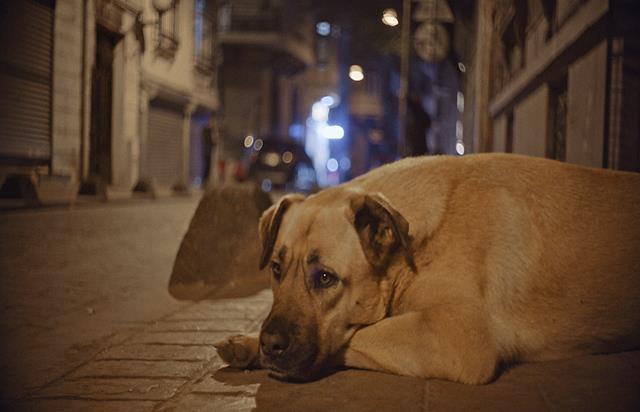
<point x="355" y="73"/>
<point x="390" y="17"/>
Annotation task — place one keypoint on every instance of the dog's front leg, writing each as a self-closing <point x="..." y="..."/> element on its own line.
<point x="440" y="343"/>
<point x="240" y="351"/>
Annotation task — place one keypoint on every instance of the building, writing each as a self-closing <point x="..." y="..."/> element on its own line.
<point x="555" y="78"/>
<point x="266" y="46"/>
<point x="104" y="94"/>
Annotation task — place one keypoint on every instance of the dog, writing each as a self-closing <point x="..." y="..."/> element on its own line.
<point x="449" y="267"/>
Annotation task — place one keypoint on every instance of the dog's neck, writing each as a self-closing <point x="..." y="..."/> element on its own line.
<point x="400" y="277"/>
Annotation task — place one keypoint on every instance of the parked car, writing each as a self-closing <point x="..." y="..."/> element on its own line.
<point x="281" y="164"/>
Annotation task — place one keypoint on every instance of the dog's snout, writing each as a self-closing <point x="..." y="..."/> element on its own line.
<point x="274" y="339"/>
<point x="274" y="344"/>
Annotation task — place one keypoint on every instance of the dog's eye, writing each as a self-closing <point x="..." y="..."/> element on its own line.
<point x="323" y="279"/>
<point x="276" y="270"/>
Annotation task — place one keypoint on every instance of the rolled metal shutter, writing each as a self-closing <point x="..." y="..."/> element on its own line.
<point x="26" y="48"/>
<point x="164" y="150"/>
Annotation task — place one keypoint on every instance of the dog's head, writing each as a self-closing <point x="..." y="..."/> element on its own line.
<point x="328" y="256"/>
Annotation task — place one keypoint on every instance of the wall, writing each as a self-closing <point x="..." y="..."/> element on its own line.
<point x="67" y="89"/>
<point x="585" y="108"/>
<point x="500" y="133"/>
<point x="530" y="123"/>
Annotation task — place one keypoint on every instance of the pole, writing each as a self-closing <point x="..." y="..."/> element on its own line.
<point x="404" y="76"/>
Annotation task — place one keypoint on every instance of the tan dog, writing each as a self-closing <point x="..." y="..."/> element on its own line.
<point x="447" y="267"/>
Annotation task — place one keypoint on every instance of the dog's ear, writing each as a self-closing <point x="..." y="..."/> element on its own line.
<point x="382" y="230"/>
<point x="270" y="224"/>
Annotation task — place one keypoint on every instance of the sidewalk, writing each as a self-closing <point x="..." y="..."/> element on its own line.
<point x="170" y="365"/>
<point x="88" y="325"/>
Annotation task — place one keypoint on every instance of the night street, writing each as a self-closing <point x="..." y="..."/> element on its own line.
<point x="88" y="324"/>
<point x="319" y="205"/>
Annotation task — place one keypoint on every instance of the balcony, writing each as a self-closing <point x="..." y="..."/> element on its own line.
<point x="248" y="24"/>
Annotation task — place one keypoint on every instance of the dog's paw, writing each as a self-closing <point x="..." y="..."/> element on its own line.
<point x="239" y="351"/>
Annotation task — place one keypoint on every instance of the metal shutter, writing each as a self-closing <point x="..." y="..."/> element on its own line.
<point x="26" y="46"/>
<point x="164" y="150"/>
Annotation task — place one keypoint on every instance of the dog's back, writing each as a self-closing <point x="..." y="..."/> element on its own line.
<point x="554" y="248"/>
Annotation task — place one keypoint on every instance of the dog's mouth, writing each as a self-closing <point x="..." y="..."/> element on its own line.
<point x="294" y="368"/>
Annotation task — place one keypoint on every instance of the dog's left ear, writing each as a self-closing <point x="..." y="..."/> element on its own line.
<point x="382" y="230"/>
<point x="270" y="224"/>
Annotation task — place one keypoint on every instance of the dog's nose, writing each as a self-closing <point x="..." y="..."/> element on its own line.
<point x="274" y="344"/>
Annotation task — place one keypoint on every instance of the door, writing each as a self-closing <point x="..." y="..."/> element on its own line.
<point x="101" y="106"/>
<point x="165" y="148"/>
<point x="26" y="49"/>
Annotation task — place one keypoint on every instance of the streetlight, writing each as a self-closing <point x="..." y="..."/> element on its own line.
<point x="390" y="17"/>
<point x="355" y="73"/>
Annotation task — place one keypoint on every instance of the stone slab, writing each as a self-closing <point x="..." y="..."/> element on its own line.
<point x="180" y="338"/>
<point x="77" y="405"/>
<point x="137" y="369"/>
<point x="140" y="351"/>
<point x="113" y="389"/>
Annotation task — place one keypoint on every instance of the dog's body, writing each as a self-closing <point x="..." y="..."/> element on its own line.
<point x="504" y="259"/>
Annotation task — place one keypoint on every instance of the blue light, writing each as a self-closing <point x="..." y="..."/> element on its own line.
<point x="266" y="185"/>
<point x="332" y="165"/>
<point x="296" y="130"/>
<point x="332" y="132"/>
<point x="323" y="28"/>
<point x="328" y="101"/>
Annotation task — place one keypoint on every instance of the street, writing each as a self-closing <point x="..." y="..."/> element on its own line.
<point x="88" y="324"/>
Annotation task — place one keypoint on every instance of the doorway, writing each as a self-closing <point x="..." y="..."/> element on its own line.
<point x="101" y="106"/>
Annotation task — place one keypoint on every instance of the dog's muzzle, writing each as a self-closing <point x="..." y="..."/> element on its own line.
<point x="289" y="350"/>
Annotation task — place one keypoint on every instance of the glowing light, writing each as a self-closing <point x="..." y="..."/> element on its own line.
<point x="319" y="112"/>
<point x="327" y="101"/>
<point x="287" y="157"/>
<point x="458" y="130"/>
<point x="462" y="67"/>
<point x="460" y="102"/>
<point x="266" y="185"/>
<point x="390" y="17"/>
<point x="355" y="73"/>
<point x="248" y="141"/>
<point x="323" y="28"/>
<point x="331" y="132"/>
<point x="460" y="148"/>
<point x="345" y="163"/>
<point x="258" y="144"/>
<point x="332" y="165"/>
<point x="271" y="159"/>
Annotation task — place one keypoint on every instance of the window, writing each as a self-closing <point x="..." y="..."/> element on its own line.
<point x="204" y="32"/>
<point x="167" y="39"/>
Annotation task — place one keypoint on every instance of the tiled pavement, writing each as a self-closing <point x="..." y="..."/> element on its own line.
<point x="170" y="365"/>
<point x="157" y="367"/>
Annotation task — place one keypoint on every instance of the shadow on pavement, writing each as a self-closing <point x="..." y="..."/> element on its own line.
<point x="348" y="390"/>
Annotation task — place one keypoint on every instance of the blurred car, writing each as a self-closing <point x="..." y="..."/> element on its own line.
<point x="281" y="164"/>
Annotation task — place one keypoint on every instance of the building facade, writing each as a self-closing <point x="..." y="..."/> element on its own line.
<point x="558" y="79"/>
<point x="104" y="94"/>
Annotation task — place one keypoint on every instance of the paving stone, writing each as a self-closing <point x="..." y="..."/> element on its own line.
<point x="208" y="403"/>
<point x="180" y="338"/>
<point x="202" y="313"/>
<point x="208" y="384"/>
<point x="76" y="405"/>
<point x="218" y="325"/>
<point x="138" y="369"/>
<point x="140" y="351"/>
<point x="113" y="389"/>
